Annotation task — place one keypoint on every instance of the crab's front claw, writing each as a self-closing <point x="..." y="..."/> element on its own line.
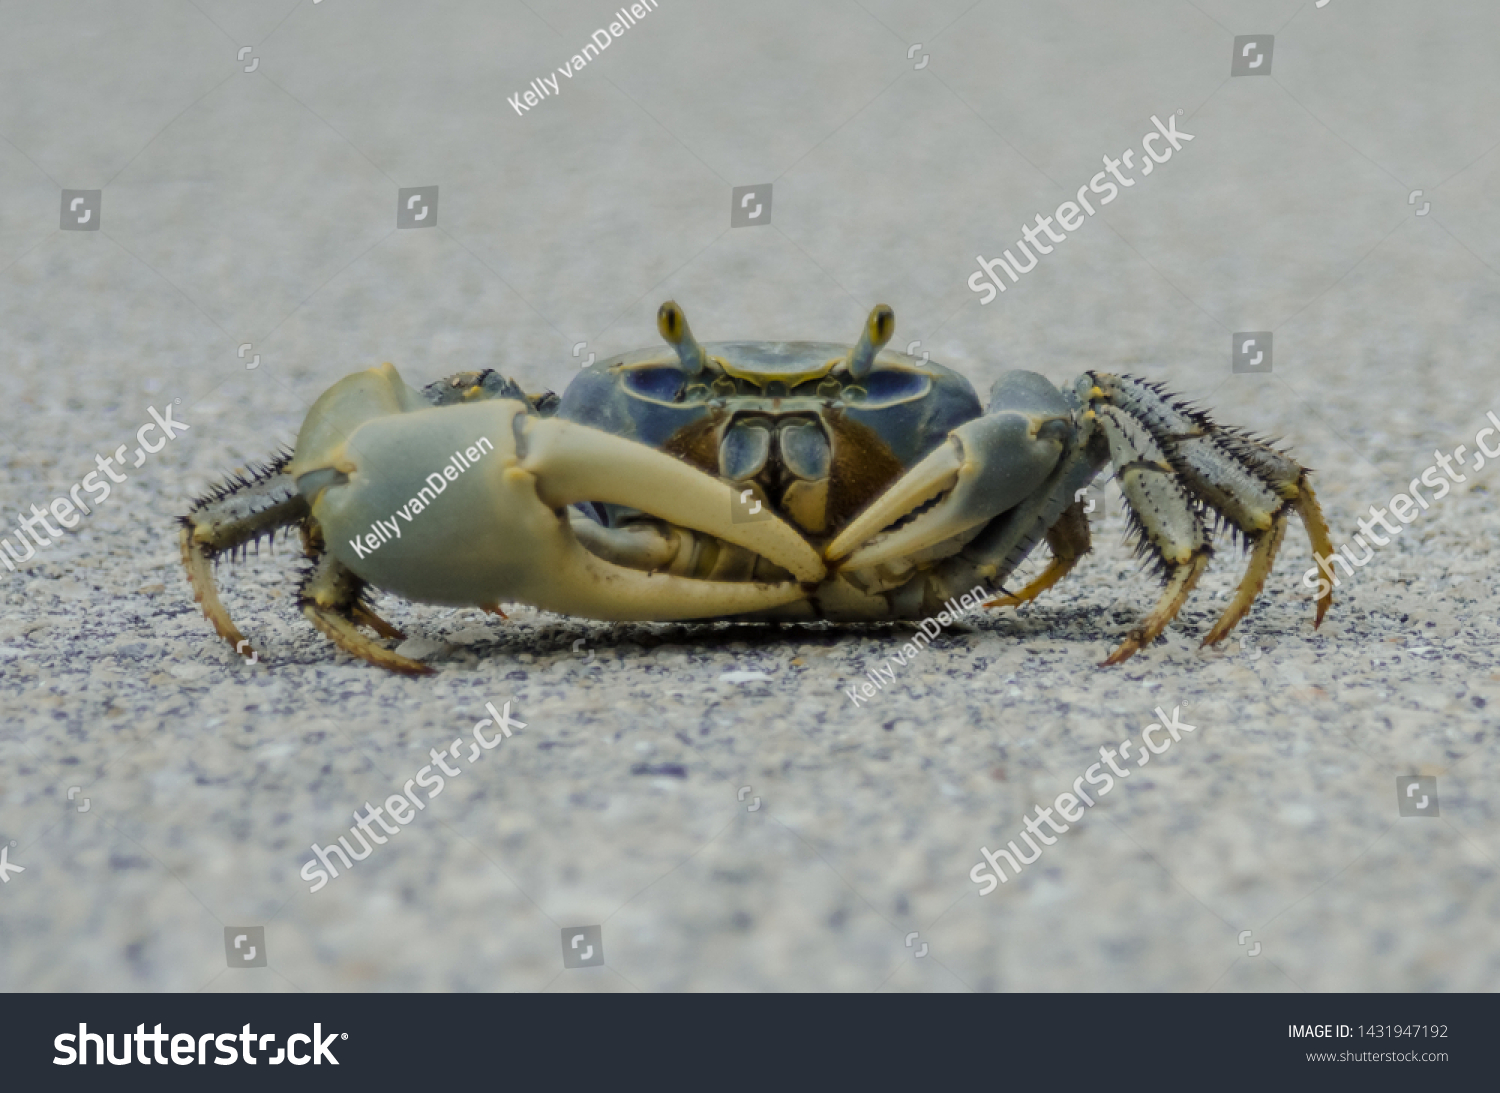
<point x="469" y="505"/>
<point x="574" y="463"/>
<point x="986" y="467"/>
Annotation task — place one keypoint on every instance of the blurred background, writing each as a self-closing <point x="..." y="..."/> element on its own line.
<point x="210" y="204"/>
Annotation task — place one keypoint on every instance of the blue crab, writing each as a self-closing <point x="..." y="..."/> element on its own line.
<point x="744" y="480"/>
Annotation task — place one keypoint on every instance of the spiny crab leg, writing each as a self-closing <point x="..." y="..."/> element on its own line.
<point x="1253" y="486"/>
<point x="1069" y="540"/>
<point x="246" y="510"/>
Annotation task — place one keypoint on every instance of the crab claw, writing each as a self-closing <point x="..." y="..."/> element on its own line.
<point x="986" y="467"/>
<point x="469" y="504"/>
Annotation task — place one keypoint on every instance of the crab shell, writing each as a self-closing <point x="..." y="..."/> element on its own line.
<point x="790" y="407"/>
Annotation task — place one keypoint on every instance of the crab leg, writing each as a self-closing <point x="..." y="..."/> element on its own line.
<point x="330" y="599"/>
<point x="244" y="511"/>
<point x="362" y="614"/>
<point x="1182" y="581"/>
<point x="1316" y="527"/>
<point x="1252" y="486"/>
<point x="1069" y="540"/>
<point x="1163" y="516"/>
<point x="1262" y="556"/>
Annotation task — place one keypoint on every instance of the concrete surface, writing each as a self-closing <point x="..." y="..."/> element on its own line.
<point x="259" y="207"/>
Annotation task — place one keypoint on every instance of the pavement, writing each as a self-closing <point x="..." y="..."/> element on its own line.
<point x="706" y="807"/>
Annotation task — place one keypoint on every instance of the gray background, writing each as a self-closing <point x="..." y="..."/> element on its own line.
<point x="260" y="207"/>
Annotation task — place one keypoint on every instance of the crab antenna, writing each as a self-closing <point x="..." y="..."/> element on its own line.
<point x="674" y="329"/>
<point x="878" y="330"/>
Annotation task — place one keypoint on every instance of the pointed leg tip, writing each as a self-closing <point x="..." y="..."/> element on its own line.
<point x="365" y="615"/>
<point x="342" y="631"/>
<point x="1218" y="632"/>
<point x="1134" y="642"/>
<point x="1216" y="635"/>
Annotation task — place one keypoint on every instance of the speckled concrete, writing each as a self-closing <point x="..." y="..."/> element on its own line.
<point x="260" y="207"/>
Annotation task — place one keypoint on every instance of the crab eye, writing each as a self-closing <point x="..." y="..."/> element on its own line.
<point x="661" y="384"/>
<point x="886" y="387"/>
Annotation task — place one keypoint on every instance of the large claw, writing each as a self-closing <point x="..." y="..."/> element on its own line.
<point x="987" y="466"/>
<point x="404" y="502"/>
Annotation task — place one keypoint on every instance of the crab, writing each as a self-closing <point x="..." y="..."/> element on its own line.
<point x="742" y="480"/>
